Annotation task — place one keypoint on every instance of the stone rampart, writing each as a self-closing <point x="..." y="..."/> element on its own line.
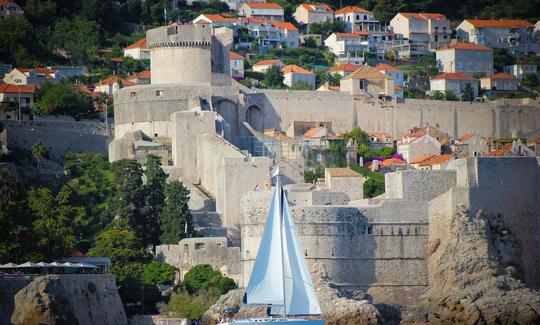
<point x="58" y="137"/>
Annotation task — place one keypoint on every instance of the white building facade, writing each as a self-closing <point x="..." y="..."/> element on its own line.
<point x="467" y="58"/>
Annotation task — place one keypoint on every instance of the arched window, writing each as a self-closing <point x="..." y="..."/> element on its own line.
<point x="365" y="17"/>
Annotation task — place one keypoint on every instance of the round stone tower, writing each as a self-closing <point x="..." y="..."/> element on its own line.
<point x="181" y="54"/>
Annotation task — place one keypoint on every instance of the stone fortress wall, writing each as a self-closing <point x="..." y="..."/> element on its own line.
<point x="380" y="245"/>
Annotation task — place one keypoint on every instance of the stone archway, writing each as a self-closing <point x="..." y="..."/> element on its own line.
<point x="255" y="118"/>
<point x="229" y="112"/>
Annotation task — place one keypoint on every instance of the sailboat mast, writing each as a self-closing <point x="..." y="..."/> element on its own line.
<point x="278" y="188"/>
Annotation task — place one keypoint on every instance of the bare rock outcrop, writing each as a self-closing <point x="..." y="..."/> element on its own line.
<point x="69" y="299"/>
<point x="472" y="277"/>
<point x="338" y="307"/>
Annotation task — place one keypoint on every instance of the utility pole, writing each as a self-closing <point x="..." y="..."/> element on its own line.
<point x="107" y="115"/>
<point x="20" y="115"/>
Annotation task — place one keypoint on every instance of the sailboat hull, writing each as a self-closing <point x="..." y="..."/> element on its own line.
<point x="274" y="321"/>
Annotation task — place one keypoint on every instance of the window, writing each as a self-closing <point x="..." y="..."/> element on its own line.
<point x="199" y="245"/>
<point x="361" y="84"/>
<point x="132" y="94"/>
<point x="365" y="17"/>
<point x="357" y="17"/>
<point x="159" y="93"/>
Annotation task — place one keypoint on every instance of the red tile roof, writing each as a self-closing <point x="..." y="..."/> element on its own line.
<point x="143" y="74"/>
<point x="312" y="132"/>
<point x="115" y="79"/>
<point x="139" y="44"/>
<point x="236" y="56"/>
<point x="501" y="151"/>
<point x="347" y="35"/>
<point x="465" y="137"/>
<point x="391" y="161"/>
<point x="348" y="67"/>
<point x="380" y="136"/>
<point x="422" y="159"/>
<point x="267" y="62"/>
<point x="533" y="140"/>
<point x="85" y="89"/>
<point x="217" y="18"/>
<point x="452" y="76"/>
<point x="396" y="87"/>
<point x="502" y="23"/>
<point x="263" y="5"/>
<point x="500" y="76"/>
<point x="117" y="60"/>
<point x="284" y="24"/>
<point x="423" y="15"/>
<point x="351" y="9"/>
<point x="467" y="46"/>
<point x="437" y="160"/>
<point x="311" y="7"/>
<point x="23" y="89"/>
<point x="291" y="68"/>
<point x="386" y="67"/>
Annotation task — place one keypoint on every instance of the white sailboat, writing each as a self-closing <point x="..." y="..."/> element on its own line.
<point x="280" y="279"/>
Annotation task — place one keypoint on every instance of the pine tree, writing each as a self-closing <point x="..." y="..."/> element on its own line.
<point x="155" y="197"/>
<point x="175" y="214"/>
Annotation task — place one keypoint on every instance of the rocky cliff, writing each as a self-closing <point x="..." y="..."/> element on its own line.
<point x="69" y="299"/>
<point x="473" y="279"/>
<point x="338" y="307"/>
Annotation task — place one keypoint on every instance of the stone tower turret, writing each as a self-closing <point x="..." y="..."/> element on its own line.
<point x="181" y="54"/>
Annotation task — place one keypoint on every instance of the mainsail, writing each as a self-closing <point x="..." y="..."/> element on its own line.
<point x="265" y="285"/>
<point x="280" y="277"/>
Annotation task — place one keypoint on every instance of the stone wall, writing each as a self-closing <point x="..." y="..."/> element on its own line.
<point x="205" y="250"/>
<point x="59" y="137"/>
<point x="494" y="119"/>
<point x="75" y="298"/>
<point x="9" y="286"/>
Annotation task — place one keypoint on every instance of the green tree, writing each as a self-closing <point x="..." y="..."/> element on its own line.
<point x="175" y="214"/>
<point x="63" y="98"/>
<point x="302" y="85"/>
<point x="203" y="277"/>
<point x="415" y="93"/>
<point x="385" y="10"/>
<point x="155" y="198"/>
<point x="426" y="67"/>
<point x="81" y="38"/>
<point x="159" y="273"/>
<point x="130" y="198"/>
<point x="310" y="42"/>
<point x="326" y="28"/>
<point x="386" y="152"/>
<point x="273" y="78"/>
<point x="468" y="94"/>
<point x="41" y="11"/>
<point x="40" y="152"/>
<point x="52" y="228"/>
<point x="373" y="187"/>
<point x="9" y="187"/>
<point x="437" y="95"/>
<point x="450" y="95"/>
<point x="501" y="58"/>
<point x="184" y="305"/>
<point x="361" y="140"/>
<point x="18" y="42"/>
<point x="530" y="80"/>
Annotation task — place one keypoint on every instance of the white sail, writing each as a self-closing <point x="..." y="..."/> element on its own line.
<point x="300" y="295"/>
<point x="266" y="282"/>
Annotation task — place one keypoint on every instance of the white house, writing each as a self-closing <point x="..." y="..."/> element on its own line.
<point x="264" y="65"/>
<point x="499" y="81"/>
<point x="8" y="8"/>
<point x="236" y="62"/>
<point x="142" y="78"/>
<point x="37" y="76"/>
<point x="271" y="11"/>
<point x="454" y="82"/>
<point x="513" y="34"/>
<point x="138" y="50"/>
<point x="348" y="47"/>
<point x="354" y="17"/>
<point x="393" y="72"/>
<point x="309" y="13"/>
<point x="216" y="20"/>
<point x="344" y="69"/>
<point x="293" y="74"/>
<point x="367" y="81"/>
<point x="414" y="146"/>
<point x="270" y="33"/>
<point x="520" y="71"/>
<point x="468" y="58"/>
<point x="15" y="93"/>
<point x="432" y="29"/>
<point x="235" y="5"/>
<point x="112" y="84"/>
